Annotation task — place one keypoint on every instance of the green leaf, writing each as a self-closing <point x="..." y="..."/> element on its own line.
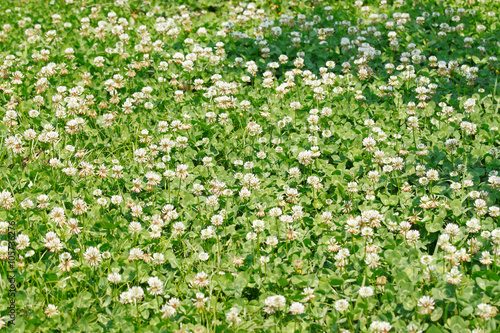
<point x="389" y="200"/>
<point x="457" y="323"/>
<point x="170" y="256"/>
<point x="434" y="226"/>
<point x="467" y="311"/>
<point x="433" y="329"/>
<point x="282" y="282"/>
<point x="436" y="314"/>
<point x="481" y="283"/>
<point x="84" y="300"/>
<point x="456" y="207"/>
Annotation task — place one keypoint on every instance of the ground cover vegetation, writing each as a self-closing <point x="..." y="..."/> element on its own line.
<point x="271" y="166"/>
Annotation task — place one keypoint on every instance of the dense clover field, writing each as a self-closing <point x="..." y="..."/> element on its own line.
<point x="270" y="166"/>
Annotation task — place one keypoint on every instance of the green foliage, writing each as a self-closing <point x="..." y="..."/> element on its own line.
<point x="291" y="166"/>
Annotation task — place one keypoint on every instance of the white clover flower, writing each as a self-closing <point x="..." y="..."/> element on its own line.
<point x="365" y="292"/>
<point x="114" y="278"/>
<point x="51" y="311"/>
<point x="297" y="308"/>
<point x="341" y="305"/>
